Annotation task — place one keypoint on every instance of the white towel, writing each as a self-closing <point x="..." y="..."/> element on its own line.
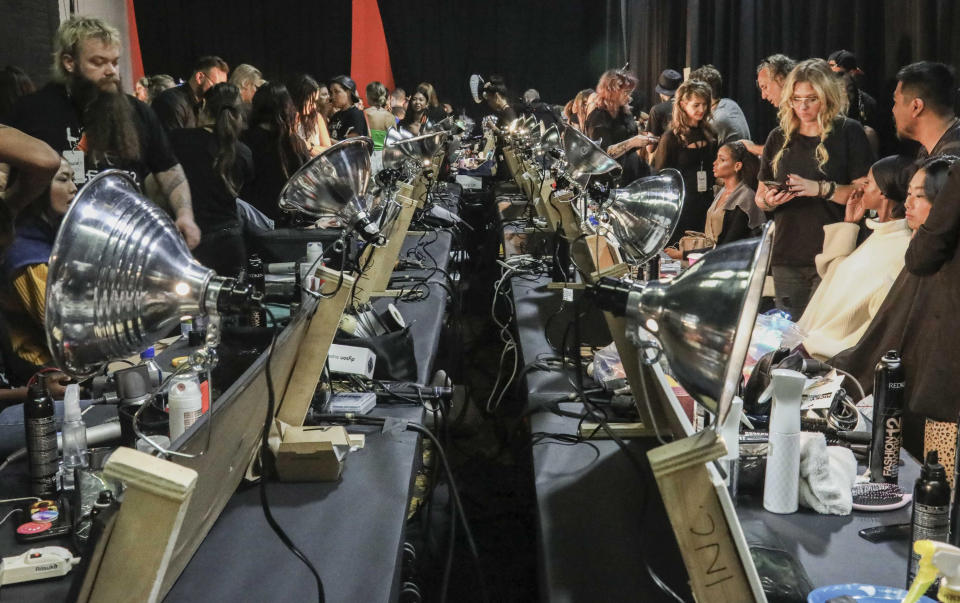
<point x="826" y="475"/>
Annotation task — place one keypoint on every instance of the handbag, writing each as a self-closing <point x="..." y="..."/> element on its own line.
<point x="694" y="241"/>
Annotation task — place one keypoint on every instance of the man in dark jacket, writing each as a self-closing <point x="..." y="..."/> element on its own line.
<point x="179" y="107"/>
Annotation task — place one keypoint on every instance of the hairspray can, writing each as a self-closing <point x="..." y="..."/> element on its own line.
<point x="931" y="509"/>
<point x="888" y="387"/>
<point x="44" y="460"/>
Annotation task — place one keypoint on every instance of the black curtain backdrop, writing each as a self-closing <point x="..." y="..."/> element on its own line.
<point x="734" y="35"/>
<point x="557" y="47"/>
<point x="280" y="38"/>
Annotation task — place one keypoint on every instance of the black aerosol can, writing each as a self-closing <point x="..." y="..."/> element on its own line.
<point x="257" y="279"/>
<point x="41" y="432"/>
<point x="888" y="405"/>
<point x="931" y="509"/>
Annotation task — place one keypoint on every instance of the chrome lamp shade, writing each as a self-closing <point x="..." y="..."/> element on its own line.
<point x="334" y="183"/>
<point x="586" y="160"/>
<point x="703" y="319"/>
<point x="120" y="277"/>
<point x="643" y="215"/>
<point x="420" y="149"/>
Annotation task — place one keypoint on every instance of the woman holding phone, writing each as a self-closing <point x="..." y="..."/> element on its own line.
<point x="810" y="165"/>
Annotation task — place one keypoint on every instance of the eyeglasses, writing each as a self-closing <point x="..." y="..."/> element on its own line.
<point x="803" y="101"/>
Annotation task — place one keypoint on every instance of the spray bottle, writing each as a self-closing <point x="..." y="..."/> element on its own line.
<point x="781" y="488"/>
<point x="41" y="436"/>
<point x="936" y="558"/>
<point x="74" y="436"/>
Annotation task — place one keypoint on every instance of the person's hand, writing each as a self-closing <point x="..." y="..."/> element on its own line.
<point x="57" y="383"/>
<point x="774" y="199"/>
<point x="189" y="229"/>
<point x="855" y="208"/>
<point x="674" y="253"/>
<point x="803" y="187"/>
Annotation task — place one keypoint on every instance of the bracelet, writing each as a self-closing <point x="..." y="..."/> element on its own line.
<point x="820" y="184"/>
<point x="831" y="191"/>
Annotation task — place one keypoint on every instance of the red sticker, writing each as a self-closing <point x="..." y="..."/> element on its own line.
<point x="33" y="527"/>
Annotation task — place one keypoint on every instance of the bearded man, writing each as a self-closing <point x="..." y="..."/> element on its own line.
<point x="84" y="115"/>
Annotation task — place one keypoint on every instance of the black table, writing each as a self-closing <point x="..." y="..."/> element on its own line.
<point x="351" y="530"/>
<point x="587" y="500"/>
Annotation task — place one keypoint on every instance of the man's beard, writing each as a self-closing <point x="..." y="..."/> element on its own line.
<point x="107" y="117"/>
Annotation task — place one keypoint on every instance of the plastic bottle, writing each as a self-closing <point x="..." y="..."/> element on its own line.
<point x="936" y="558"/>
<point x="781" y="487"/>
<point x="74" y="436"/>
<point x="184" y="402"/>
<point x="147" y="358"/>
<point x="307" y="279"/>
<point x="888" y="401"/>
<point x="931" y="509"/>
<point x="41" y="434"/>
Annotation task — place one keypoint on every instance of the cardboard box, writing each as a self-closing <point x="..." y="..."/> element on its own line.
<point x="311" y="454"/>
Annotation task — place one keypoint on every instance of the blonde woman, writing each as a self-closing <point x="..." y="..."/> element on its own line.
<point x="690" y="146"/>
<point x="810" y="166"/>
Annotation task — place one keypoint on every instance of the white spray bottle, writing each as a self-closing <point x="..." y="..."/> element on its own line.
<point x="781" y="488"/>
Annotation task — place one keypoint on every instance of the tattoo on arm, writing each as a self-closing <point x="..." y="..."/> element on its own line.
<point x="173" y="183"/>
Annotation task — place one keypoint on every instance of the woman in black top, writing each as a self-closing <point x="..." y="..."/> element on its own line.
<point x="217" y="165"/>
<point x="612" y="124"/>
<point x="495" y="95"/>
<point x="416" y="114"/>
<point x="277" y="149"/>
<point x="690" y="146"/>
<point x="348" y="121"/>
<point x="818" y="158"/>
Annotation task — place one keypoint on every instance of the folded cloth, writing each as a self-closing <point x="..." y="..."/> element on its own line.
<point x="826" y="475"/>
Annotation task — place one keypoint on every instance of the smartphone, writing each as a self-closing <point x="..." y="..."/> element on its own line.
<point x="897" y="531"/>
<point x="42" y="519"/>
<point x="776" y="186"/>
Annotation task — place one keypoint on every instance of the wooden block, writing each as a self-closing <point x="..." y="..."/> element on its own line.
<point x="699" y="521"/>
<point x="381" y="260"/>
<point x="313" y="351"/>
<point x="604" y="254"/>
<point x="593" y="431"/>
<point x="136" y="558"/>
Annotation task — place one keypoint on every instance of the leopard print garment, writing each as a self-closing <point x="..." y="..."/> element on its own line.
<point x="942" y="437"/>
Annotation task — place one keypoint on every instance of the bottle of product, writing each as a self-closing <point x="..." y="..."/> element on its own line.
<point x="931" y="509"/>
<point x="74" y="436"/>
<point x="888" y="405"/>
<point x="147" y="358"/>
<point x="41" y="432"/>
<point x="308" y="268"/>
<point x="955" y="508"/>
<point x="185" y="403"/>
<point x="781" y="486"/>
<point x="257" y="279"/>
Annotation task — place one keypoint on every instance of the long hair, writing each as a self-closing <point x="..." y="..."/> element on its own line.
<point x="751" y="164"/>
<point x="222" y="103"/>
<point x="579" y="107"/>
<point x="612" y="82"/>
<point x="273" y="108"/>
<point x="303" y="89"/>
<point x="680" y="122"/>
<point x="833" y="102"/>
<point x="427" y="89"/>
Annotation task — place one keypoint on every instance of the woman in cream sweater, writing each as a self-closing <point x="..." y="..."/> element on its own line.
<point x="855" y="280"/>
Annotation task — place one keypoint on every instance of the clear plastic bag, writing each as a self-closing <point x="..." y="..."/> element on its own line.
<point x="607" y="365"/>
<point x="770" y="332"/>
